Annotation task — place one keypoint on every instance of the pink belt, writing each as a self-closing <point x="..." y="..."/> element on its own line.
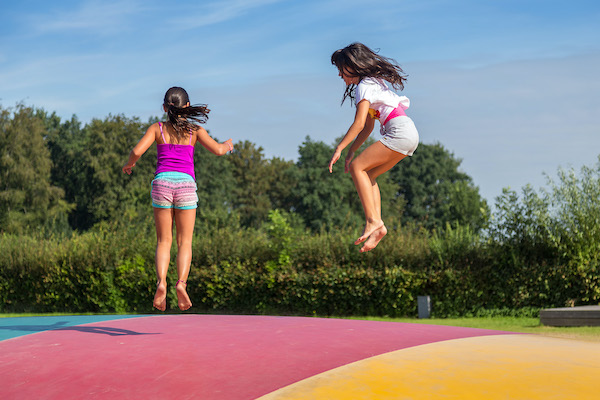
<point x="396" y="112"/>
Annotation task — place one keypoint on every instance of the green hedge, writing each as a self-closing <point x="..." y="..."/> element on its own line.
<point x="249" y="271"/>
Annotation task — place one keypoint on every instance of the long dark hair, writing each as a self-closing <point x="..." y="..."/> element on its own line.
<point x="364" y="62"/>
<point x="183" y="118"/>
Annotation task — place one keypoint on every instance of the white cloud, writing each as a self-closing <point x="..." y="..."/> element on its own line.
<point x="217" y="12"/>
<point x="100" y="17"/>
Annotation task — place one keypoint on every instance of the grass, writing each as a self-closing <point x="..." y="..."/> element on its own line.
<point x="510" y="324"/>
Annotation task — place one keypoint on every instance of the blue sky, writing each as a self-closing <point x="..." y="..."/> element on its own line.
<point x="509" y="86"/>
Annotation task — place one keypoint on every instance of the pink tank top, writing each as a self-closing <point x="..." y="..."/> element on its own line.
<point x="175" y="157"/>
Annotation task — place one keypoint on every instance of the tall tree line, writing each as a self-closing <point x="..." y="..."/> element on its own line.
<point x="62" y="176"/>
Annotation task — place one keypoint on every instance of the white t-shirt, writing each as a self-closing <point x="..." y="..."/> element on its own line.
<point x="383" y="100"/>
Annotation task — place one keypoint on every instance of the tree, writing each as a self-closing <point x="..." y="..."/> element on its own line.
<point x="436" y="192"/>
<point x="575" y="217"/>
<point x="66" y="142"/>
<point x="28" y="200"/>
<point x="251" y="174"/>
<point x="93" y="160"/>
<point x="282" y="184"/>
<point x="558" y="227"/>
<point x="216" y="189"/>
<point x="324" y="200"/>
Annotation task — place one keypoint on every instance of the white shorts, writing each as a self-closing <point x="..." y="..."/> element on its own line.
<point x="400" y="134"/>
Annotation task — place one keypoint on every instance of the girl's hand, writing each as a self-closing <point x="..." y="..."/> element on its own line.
<point x="229" y="144"/>
<point x="336" y="156"/>
<point x="349" y="158"/>
<point x="127" y="168"/>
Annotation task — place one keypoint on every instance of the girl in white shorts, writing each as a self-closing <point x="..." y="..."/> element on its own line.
<point x="365" y="74"/>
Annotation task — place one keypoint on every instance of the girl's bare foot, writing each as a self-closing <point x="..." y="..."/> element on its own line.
<point x="370" y="227"/>
<point x="182" y="297"/>
<point x="374" y="239"/>
<point x="160" y="298"/>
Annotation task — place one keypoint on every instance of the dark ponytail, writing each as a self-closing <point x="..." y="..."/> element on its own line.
<point x="183" y="118"/>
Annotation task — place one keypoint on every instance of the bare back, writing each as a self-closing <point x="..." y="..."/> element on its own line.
<point x="169" y="137"/>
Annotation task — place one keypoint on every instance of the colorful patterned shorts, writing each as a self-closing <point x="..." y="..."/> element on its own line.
<point x="174" y="190"/>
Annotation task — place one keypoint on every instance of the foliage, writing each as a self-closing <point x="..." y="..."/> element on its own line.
<point x="556" y="228"/>
<point x="436" y="192"/>
<point x="277" y="269"/>
<point x="67" y="176"/>
<point x="28" y="200"/>
<point x="276" y="236"/>
<point x="250" y="169"/>
<point x="280" y="237"/>
<point x="323" y="200"/>
<point x="575" y="226"/>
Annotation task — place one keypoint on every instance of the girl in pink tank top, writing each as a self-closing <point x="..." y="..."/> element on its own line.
<point x="174" y="196"/>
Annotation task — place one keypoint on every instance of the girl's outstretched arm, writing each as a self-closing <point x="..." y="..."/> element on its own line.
<point x="140" y="148"/>
<point x="360" y="121"/>
<point x="211" y="144"/>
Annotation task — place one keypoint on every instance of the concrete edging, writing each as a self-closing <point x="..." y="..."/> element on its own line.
<point x="571" y="316"/>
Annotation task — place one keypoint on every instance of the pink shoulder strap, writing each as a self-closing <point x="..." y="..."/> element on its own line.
<point x="190" y="137"/>
<point x="161" y="132"/>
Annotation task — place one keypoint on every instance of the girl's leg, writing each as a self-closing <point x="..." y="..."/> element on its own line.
<point x="376" y="237"/>
<point x="374" y="174"/>
<point x="378" y="234"/>
<point x="184" y="222"/>
<point x="371" y="163"/>
<point x="376" y="198"/>
<point x="163" y="218"/>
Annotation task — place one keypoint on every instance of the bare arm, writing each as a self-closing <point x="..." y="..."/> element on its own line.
<point x="140" y="148"/>
<point x="361" y="138"/>
<point x="211" y="144"/>
<point x="357" y="127"/>
<point x="363" y="135"/>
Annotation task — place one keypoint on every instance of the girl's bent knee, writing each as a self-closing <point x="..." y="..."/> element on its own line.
<point x="354" y="168"/>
